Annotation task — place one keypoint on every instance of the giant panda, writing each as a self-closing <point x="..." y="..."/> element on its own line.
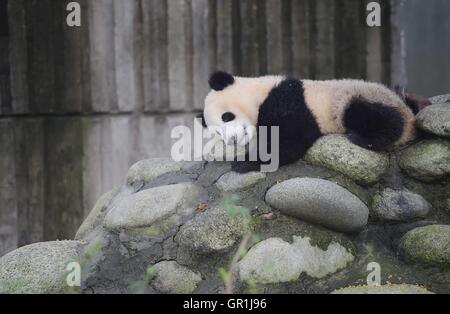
<point x="370" y="114"/>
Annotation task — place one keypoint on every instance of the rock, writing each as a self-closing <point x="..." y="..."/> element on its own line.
<point x="337" y="153"/>
<point x="38" y="268"/>
<point x="161" y="207"/>
<point x="145" y="171"/>
<point x="97" y="214"/>
<point x="440" y="99"/>
<point x="321" y="202"/>
<point x="401" y="205"/>
<point x="233" y="181"/>
<point x="213" y="230"/>
<point x="170" y="277"/>
<point x="387" y="289"/>
<point x="427" y="161"/>
<point x="275" y="261"/>
<point x="428" y="245"/>
<point x="435" y="119"/>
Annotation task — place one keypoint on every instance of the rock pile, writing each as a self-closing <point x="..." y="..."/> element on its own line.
<point x="310" y="227"/>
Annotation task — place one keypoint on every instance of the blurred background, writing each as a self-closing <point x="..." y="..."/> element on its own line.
<point x="79" y="105"/>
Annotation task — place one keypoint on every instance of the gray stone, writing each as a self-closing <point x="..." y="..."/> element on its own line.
<point x="428" y="245"/>
<point x="435" y="119"/>
<point x="403" y="205"/>
<point x="319" y="201"/>
<point x="275" y="261"/>
<point x="38" y="268"/>
<point x="386" y="289"/>
<point x="214" y="230"/>
<point x="427" y="161"/>
<point x="337" y="153"/>
<point x="440" y="99"/>
<point x="97" y="214"/>
<point x="170" y="277"/>
<point x="160" y="208"/>
<point x="233" y="181"/>
<point x="145" y="171"/>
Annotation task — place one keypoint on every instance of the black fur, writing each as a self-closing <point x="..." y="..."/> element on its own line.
<point x="415" y="102"/>
<point x="372" y="125"/>
<point x="298" y="130"/>
<point x="201" y="117"/>
<point x="220" y="80"/>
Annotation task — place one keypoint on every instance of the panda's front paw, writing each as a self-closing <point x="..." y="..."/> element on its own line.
<point x="245" y="166"/>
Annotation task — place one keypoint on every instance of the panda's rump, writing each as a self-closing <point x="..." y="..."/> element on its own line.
<point x="330" y="101"/>
<point x="380" y="111"/>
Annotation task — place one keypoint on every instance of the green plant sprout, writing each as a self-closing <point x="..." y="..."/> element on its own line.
<point x="229" y="204"/>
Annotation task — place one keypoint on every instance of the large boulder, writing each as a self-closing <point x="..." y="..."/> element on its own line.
<point x="38" y="268"/>
<point x="161" y="207"/>
<point x="337" y="153"/>
<point x="427" y="161"/>
<point x="435" y="119"/>
<point x="321" y="202"/>
<point x="428" y="245"/>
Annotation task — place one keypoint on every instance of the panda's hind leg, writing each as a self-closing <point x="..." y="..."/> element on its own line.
<point x="372" y="125"/>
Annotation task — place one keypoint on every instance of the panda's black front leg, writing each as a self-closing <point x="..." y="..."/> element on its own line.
<point x="245" y="166"/>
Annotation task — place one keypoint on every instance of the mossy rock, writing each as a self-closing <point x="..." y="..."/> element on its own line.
<point x="337" y="153"/>
<point x="427" y="161"/>
<point x="428" y="245"/>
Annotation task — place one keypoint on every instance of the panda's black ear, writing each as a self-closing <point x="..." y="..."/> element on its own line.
<point x="220" y="80"/>
<point x="201" y="117"/>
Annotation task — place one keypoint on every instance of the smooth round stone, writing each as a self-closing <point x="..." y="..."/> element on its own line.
<point x="427" y="161"/>
<point x="337" y="153"/>
<point x="162" y="205"/>
<point x="321" y="202"/>
<point x="232" y="181"/>
<point x="435" y="119"/>
<point x="440" y="99"/>
<point x="386" y="289"/>
<point x="428" y="245"/>
<point x="170" y="277"/>
<point x="97" y="214"/>
<point x="403" y="205"/>
<point x="146" y="171"/>
<point x="38" y="268"/>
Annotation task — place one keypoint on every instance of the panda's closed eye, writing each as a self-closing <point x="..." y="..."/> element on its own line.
<point x="228" y="116"/>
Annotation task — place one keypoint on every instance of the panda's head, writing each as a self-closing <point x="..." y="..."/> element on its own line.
<point x="232" y="106"/>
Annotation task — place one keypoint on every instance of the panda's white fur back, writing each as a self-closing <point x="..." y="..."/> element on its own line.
<point x="328" y="100"/>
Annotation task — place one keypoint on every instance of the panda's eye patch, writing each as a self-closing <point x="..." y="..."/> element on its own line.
<point x="228" y="116"/>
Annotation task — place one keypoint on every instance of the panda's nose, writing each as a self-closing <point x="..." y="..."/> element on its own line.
<point x="228" y="116"/>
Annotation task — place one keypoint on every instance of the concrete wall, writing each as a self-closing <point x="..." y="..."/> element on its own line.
<point x="78" y="106"/>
